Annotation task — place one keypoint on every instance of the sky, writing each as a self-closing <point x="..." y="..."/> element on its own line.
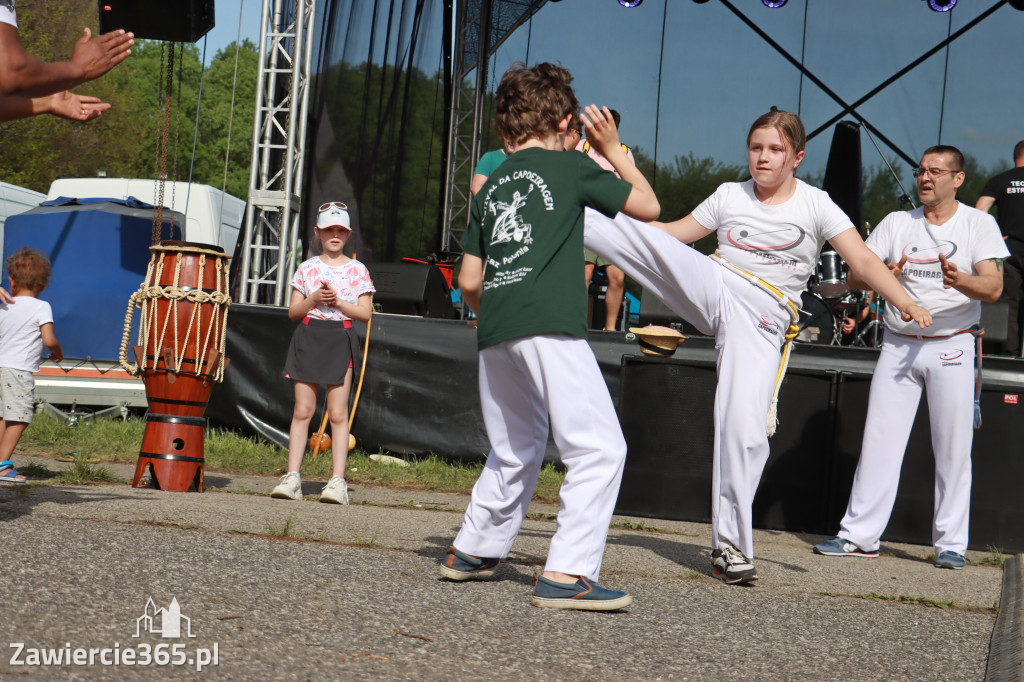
<point x="709" y="75"/>
<point x="695" y="87"/>
<point x="226" y="15"/>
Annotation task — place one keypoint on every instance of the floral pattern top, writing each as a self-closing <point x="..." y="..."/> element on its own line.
<point x="349" y="280"/>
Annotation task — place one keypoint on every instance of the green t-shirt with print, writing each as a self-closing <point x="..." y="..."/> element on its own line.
<point x="526" y="223"/>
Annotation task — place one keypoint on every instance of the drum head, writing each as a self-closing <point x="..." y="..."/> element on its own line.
<point x="830" y="277"/>
<point x="817" y="323"/>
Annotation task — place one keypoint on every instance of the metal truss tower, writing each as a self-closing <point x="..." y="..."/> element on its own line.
<point x="278" y="145"/>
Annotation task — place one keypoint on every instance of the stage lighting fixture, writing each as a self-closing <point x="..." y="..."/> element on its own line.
<point x="941" y="5"/>
<point x="774" y="3"/>
<point x="1017" y="4"/>
<point x="701" y="2"/>
<point x="630" y="3"/>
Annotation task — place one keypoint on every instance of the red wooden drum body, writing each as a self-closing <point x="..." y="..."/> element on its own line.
<point x="180" y="355"/>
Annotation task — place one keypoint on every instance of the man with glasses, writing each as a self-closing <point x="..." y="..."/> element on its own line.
<point x="948" y="256"/>
<point x="1006" y="192"/>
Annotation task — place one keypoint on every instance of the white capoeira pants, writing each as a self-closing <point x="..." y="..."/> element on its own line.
<point x="749" y="326"/>
<point x="945" y="369"/>
<point x="526" y="385"/>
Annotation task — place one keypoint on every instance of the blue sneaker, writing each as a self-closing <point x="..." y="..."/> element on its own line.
<point x="950" y="559"/>
<point x="582" y="594"/>
<point x="459" y="566"/>
<point x="837" y="546"/>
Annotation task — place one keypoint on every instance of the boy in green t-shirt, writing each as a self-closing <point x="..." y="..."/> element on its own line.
<point x="536" y="367"/>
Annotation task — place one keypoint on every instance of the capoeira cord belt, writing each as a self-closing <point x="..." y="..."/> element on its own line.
<point x="787" y="346"/>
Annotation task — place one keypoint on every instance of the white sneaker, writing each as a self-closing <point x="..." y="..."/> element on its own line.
<point x="335" y="492"/>
<point x="729" y="564"/>
<point x="290" y="487"/>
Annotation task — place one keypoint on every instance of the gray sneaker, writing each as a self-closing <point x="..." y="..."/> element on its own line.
<point x="335" y="492"/>
<point x="951" y="559"/>
<point x="837" y="546"/>
<point x="290" y="487"/>
<point x="729" y="564"/>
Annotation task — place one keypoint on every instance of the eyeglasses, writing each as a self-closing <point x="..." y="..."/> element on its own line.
<point x="934" y="172"/>
<point x="575" y="130"/>
<point x="329" y="204"/>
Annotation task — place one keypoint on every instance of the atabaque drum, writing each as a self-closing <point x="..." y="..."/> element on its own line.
<point x="829" y="280"/>
<point x="180" y="354"/>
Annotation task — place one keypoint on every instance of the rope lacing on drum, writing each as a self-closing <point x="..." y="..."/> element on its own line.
<point x="146" y="297"/>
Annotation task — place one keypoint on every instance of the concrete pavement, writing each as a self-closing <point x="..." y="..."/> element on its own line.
<point x="302" y="590"/>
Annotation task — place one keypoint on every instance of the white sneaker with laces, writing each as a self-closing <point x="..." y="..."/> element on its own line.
<point x="290" y="487"/>
<point x="729" y="564"/>
<point x="336" y="491"/>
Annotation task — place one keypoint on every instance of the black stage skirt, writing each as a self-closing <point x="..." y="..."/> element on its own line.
<point x="321" y="352"/>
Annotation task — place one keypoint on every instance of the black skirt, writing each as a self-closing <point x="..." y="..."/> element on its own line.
<point x="321" y="352"/>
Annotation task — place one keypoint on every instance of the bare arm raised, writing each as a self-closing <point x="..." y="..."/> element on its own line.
<point x="63" y="104"/>
<point x="641" y="203"/>
<point x="24" y="74"/>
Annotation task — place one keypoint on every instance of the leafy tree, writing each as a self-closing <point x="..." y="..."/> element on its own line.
<point x="881" y="193"/>
<point x="123" y="142"/>
<point x="687" y="181"/>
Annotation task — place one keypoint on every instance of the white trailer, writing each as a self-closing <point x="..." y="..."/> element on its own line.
<point x="211" y="216"/>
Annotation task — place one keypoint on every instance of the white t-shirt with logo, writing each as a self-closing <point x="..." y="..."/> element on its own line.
<point x="21" y="339"/>
<point x="779" y="243"/>
<point x="969" y="237"/>
<point x="7" y="14"/>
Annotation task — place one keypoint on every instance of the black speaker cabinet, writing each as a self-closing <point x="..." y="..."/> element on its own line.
<point x="666" y="408"/>
<point x="995" y="321"/>
<point x="666" y="411"/>
<point x="179" y="21"/>
<point x="411" y="289"/>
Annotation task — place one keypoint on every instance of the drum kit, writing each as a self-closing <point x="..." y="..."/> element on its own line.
<point x="829" y="300"/>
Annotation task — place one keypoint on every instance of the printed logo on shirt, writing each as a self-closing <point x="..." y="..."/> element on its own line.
<point x="769" y="244"/>
<point x="927" y="252"/>
<point x="508" y="229"/>
<point x="768" y="325"/>
<point x="509" y="225"/>
<point x="947" y="358"/>
<point x="924" y="253"/>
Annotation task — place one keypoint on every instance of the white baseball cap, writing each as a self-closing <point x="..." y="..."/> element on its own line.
<point x="333" y="213"/>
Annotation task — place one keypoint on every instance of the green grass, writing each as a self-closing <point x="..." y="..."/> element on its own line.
<point x="994" y="558"/>
<point x="113" y="440"/>
<point x="83" y="473"/>
<point x="902" y="599"/>
<point x="285" y="530"/>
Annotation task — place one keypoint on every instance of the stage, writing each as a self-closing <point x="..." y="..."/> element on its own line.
<point x="420" y="396"/>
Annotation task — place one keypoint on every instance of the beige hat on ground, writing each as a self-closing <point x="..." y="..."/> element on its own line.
<point x="659" y="341"/>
